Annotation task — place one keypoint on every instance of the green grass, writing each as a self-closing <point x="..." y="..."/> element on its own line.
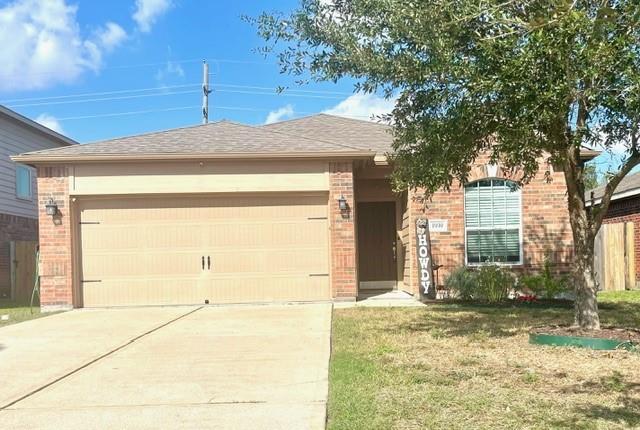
<point x="18" y="313"/>
<point x="619" y="296"/>
<point x="452" y="366"/>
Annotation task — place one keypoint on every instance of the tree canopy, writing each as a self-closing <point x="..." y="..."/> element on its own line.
<point x="520" y="80"/>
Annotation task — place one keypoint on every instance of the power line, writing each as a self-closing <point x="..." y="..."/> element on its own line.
<point x="293" y="92"/>
<point x="163" y="63"/>
<point x="128" y="97"/>
<point x="232" y="108"/>
<point x="104" y="99"/>
<point x="71" y="118"/>
<point x="103" y="93"/>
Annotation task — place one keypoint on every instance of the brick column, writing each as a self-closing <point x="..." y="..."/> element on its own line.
<point x="56" y="271"/>
<point x="344" y="275"/>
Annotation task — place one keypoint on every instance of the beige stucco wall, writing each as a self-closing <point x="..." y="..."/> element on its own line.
<point x="198" y="177"/>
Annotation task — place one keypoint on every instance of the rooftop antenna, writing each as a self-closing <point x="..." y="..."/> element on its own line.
<point x="205" y="92"/>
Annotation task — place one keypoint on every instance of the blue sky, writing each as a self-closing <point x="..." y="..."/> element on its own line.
<point x="106" y="49"/>
<point x="101" y="69"/>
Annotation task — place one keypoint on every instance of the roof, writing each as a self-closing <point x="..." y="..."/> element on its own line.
<point x="23" y="120"/>
<point x="222" y="139"/>
<point x="361" y="134"/>
<point x="628" y="187"/>
<point x="319" y="135"/>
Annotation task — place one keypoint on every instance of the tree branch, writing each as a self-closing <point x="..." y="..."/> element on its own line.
<point x="630" y="163"/>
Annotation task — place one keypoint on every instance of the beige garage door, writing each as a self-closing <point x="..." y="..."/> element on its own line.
<point x="185" y="250"/>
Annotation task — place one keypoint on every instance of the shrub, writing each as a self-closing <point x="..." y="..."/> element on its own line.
<point x="489" y="284"/>
<point x="494" y="284"/>
<point x="462" y="282"/>
<point x="545" y="284"/>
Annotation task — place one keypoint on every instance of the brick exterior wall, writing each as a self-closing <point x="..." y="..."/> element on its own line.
<point x="344" y="277"/>
<point x="13" y="228"/>
<point x="627" y="210"/>
<point x="546" y="232"/>
<point x="56" y="269"/>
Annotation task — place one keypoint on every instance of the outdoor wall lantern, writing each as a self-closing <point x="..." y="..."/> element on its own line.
<point x="342" y="203"/>
<point x="51" y="207"/>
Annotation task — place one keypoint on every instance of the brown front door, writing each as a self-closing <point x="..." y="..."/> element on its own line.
<point x="376" y="245"/>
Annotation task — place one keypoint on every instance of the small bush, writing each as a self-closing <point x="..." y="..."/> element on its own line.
<point x="545" y="284"/>
<point x="489" y="284"/>
<point x="494" y="284"/>
<point x="462" y="282"/>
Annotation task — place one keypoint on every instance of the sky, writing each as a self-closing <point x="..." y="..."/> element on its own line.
<point x="95" y="70"/>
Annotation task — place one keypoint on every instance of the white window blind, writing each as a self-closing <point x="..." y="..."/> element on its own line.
<point x="492" y="221"/>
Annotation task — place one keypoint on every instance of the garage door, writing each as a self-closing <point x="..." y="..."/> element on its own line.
<point x="186" y="250"/>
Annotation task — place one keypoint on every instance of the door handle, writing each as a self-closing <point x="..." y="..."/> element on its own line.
<point x="203" y="262"/>
<point x="209" y="262"/>
<point x="394" y="250"/>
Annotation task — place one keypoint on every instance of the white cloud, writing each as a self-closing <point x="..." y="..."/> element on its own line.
<point x="41" y="45"/>
<point x="171" y="69"/>
<point x="50" y="122"/>
<point x="362" y="106"/>
<point x="279" y="114"/>
<point x="148" y="11"/>
<point x="111" y="36"/>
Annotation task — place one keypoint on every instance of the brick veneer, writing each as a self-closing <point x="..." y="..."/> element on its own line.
<point x="545" y="224"/>
<point x="56" y="269"/>
<point x="627" y="210"/>
<point x="344" y="278"/>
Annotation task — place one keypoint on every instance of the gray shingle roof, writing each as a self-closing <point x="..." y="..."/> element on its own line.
<point x="628" y="184"/>
<point x="222" y="137"/>
<point x="353" y="132"/>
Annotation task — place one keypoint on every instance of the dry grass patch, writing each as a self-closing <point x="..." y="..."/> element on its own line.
<point x="463" y="367"/>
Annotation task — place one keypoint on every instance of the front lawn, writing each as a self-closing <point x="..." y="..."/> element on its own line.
<point x="17" y="313"/>
<point x="450" y="366"/>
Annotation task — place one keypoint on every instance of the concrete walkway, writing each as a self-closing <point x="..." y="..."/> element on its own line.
<point x="235" y="367"/>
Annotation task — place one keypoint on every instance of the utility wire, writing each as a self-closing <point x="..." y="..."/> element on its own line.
<point x="163" y="63"/>
<point x="222" y="88"/>
<point x="64" y="102"/>
<point x="103" y="93"/>
<point x="233" y="108"/>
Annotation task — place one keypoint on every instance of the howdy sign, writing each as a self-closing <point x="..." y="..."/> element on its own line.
<point x="425" y="269"/>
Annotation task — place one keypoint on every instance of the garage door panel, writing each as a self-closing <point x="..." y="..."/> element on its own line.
<point x="149" y="250"/>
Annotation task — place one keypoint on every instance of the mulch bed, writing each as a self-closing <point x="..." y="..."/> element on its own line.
<point x="615" y="333"/>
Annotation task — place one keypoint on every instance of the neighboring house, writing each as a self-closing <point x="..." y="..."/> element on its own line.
<point x="295" y="211"/>
<point x="624" y="207"/>
<point x="18" y="208"/>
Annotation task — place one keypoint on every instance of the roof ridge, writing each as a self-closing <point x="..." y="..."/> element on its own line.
<point x="365" y="121"/>
<point x="261" y="127"/>
<point x="167" y="130"/>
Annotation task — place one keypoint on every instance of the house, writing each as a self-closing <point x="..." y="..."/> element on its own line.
<point x="300" y="210"/>
<point x="624" y="208"/>
<point x="18" y="208"/>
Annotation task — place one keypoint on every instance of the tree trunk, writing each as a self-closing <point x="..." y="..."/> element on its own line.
<point x="586" y="304"/>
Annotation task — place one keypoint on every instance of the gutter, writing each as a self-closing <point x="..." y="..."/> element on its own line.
<point x="65" y="158"/>
<point x="619" y="196"/>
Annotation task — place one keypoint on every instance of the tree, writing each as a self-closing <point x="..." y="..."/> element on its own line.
<point x="520" y="80"/>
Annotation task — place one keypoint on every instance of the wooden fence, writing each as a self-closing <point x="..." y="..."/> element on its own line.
<point x="614" y="263"/>
<point x="23" y="258"/>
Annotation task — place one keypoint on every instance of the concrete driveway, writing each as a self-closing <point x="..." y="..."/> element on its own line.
<point x="235" y="367"/>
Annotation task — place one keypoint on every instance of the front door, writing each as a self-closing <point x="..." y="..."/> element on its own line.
<point x="377" y="245"/>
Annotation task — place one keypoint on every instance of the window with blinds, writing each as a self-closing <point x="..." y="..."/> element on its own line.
<point x="492" y="212"/>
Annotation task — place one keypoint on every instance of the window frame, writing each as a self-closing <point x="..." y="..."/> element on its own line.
<point x="30" y="172"/>
<point x="520" y="262"/>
